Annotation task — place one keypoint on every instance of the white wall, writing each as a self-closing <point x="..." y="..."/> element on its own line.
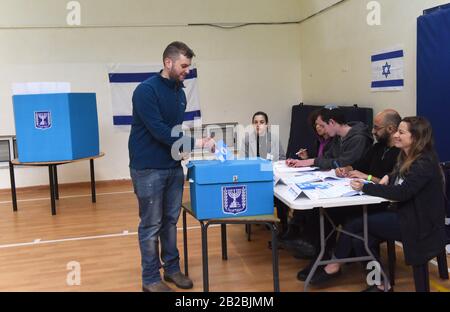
<point x="336" y="48"/>
<point x="324" y="60"/>
<point x="240" y="70"/>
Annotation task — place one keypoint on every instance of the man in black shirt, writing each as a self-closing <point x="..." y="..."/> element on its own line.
<point x="382" y="156"/>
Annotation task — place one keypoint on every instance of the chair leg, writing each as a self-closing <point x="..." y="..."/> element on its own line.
<point x="223" y="234"/>
<point x="421" y="278"/>
<point x="185" y="245"/>
<point x="392" y="258"/>
<point x="442" y="265"/>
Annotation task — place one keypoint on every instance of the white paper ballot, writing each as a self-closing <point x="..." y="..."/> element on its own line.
<point x="281" y="167"/>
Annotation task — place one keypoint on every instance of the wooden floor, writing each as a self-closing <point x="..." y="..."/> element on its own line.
<point x="35" y="248"/>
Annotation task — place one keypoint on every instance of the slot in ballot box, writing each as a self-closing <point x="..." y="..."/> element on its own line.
<point x="234" y="188"/>
<point x="56" y="127"/>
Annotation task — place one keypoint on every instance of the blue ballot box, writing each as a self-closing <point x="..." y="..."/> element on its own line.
<point x="234" y="188"/>
<point x="54" y="127"/>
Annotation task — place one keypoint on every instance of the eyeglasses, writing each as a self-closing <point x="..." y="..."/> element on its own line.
<point x="376" y="128"/>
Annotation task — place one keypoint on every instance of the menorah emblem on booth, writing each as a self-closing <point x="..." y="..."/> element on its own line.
<point x="42" y="120"/>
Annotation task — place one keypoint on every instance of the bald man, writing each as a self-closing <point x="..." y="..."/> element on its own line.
<point x="382" y="156"/>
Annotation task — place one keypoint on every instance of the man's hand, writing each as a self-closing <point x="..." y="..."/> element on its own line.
<point x="185" y="156"/>
<point x="343" y="172"/>
<point x="355" y="174"/>
<point x="385" y="180"/>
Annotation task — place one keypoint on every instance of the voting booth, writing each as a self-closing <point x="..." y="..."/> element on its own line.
<point x="233" y="188"/>
<point x="55" y="127"/>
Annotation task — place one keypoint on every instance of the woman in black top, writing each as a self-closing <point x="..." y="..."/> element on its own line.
<point x="416" y="185"/>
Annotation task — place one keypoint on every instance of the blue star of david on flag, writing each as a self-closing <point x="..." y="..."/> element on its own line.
<point x="386" y="69"/>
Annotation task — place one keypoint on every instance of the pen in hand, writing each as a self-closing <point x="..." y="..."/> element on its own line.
<point x="336" y="164"/>
<point x="302" y="150"/>
<point x="302" y="154"/>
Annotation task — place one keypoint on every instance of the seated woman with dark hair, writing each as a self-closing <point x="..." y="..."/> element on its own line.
<point x="322" y="139"/>
<point x="418" y="220"/>
<point x="261" y="142"/>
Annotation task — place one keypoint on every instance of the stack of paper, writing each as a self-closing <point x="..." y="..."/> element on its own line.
<point x="281" y="167"/>
<point x="323" y="190"/>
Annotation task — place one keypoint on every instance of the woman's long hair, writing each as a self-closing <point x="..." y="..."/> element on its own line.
<point x="422" y="142"/>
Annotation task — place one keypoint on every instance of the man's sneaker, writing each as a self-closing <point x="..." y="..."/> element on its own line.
<point x="156" y="287"/>
<point x="180" y="280"/>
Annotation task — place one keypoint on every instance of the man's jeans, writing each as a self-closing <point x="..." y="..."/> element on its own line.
<point x="159" y="193"/>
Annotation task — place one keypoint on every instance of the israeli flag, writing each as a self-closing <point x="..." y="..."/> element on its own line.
<point x="387" y="71"/>
<point x="123" y="80"/>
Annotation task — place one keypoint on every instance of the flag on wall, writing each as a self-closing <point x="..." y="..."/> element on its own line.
<point x="124" y="78"/>
<point x="387" y="71"/>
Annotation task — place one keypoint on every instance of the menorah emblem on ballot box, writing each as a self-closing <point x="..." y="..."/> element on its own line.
<point x="234" y="199"/>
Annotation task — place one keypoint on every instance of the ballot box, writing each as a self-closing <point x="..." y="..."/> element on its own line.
<point x="54" y="127"/>
<point x="234" y="188"/>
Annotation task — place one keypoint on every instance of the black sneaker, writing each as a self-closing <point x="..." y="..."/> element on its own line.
<point x="300" y="247"/>
<point x="302" y="275"/>
<point x="321" y="277"/>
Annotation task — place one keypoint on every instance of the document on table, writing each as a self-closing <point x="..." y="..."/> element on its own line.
<point x="323" y="190"/>
<point x="306" y="177"/>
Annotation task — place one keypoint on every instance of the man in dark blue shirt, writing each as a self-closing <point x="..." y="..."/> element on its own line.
<point x="159" y="104"/>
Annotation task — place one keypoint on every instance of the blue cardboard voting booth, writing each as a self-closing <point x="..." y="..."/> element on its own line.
<point x="54" y="127"/>
<point x="234" y="188"/>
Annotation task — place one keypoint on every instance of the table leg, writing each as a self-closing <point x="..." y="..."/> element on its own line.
<point x="55" y="174"/>
<point x="13" y="186"/>
<point x="94" y="198"/>
<point x="322" y="249"/>
<point x="185" y="246"/>
<point x="223" y="234"/>
<point x="248" y="230"/>
<point x="204" y="229"/>
<point x="52" y="188"/>
<point x="276" y="279"/>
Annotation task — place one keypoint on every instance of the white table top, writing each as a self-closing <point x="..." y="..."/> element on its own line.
<point x="304" y="203"/>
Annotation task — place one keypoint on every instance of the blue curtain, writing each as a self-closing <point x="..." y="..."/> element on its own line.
<point x="433" y="74"/>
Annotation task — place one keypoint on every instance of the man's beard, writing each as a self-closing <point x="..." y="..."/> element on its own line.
<point x="175" y="76"/>
<point x="384" y="139"/>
